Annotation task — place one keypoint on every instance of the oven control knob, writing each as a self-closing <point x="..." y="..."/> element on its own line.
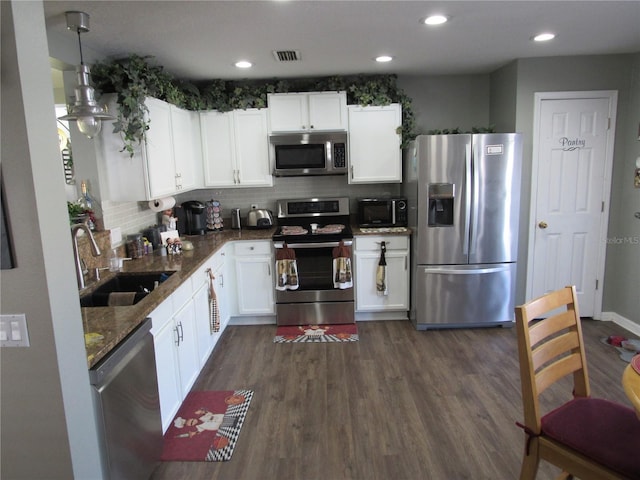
<point x="402" y="205"/>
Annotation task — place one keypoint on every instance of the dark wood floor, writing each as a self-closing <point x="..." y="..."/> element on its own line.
<point x="398" y="404"/>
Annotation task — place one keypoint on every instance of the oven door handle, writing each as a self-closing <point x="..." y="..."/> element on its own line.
<point x="346" y="243"/>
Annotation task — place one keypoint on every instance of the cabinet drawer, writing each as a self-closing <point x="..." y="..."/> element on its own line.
<point x="253" y="248"/>
<point x="373" y="242"/>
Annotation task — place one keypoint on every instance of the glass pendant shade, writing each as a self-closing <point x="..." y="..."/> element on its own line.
<point x="85" y="110"/>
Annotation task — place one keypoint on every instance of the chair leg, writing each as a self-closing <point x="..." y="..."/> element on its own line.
<point x="530" y="462"/>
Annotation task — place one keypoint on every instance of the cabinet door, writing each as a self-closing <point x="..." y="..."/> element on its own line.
<point x="288" y="112"/>
<point x="205" y="338"/>
<point x="186" y="148"/>
<point x="328" y="111"/>
<point x="254" y="285"/>
<point x="367" y="298"/>
<point x="187" y="346"/>
<point x="158" y="150"/>
<point x="252" y="148"/>
<point x="218" y="149"/>
<point x="374" y="144"/>
<point x="168" y="373"/>
<point x="222" y="294"/>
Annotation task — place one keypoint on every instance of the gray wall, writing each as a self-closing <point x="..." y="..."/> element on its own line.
<point x="611" y="72"/>
<point x="441" y="102"/>
<point x="47" y="421"/>
<point x="622" y="276"/>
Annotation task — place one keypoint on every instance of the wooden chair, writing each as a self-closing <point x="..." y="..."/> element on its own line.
<point x="586" y="437"/>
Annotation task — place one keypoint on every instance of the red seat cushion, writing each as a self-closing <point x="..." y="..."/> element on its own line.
<point x="602" y="430"/>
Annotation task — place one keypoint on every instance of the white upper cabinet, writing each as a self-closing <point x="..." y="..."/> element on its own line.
<point x="235" y="148"/>
<point x="315" y="111"/>
<point x="187" y="150"/>
<point x="167" y="163"/>
<point x="374" y="144"/>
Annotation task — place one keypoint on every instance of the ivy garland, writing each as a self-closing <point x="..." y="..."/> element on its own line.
<point x="134" y="78"/>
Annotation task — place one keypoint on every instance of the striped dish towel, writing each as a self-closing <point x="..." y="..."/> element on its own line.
<point x="214" y="312"/>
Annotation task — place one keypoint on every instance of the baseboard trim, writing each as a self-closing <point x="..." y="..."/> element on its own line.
<point x="622" y="321"/>
<point x="376" y="316"/>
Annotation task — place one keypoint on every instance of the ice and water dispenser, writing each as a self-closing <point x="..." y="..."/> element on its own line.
<point x="441" y="197"/>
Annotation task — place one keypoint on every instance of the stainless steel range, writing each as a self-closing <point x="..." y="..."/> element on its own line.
<point x="312" y="228"/>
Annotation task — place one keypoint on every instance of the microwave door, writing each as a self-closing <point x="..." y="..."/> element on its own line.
<point x="299" y="159"/>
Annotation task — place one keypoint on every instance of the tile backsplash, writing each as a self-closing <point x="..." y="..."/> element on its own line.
<point x="133" y="217"/>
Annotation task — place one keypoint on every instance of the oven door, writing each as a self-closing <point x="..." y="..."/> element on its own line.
<point x="316" y="301"/>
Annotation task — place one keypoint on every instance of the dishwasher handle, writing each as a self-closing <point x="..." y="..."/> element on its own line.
<point x="114" y="361"/>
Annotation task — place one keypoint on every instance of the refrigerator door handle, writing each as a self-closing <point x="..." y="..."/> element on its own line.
<point x="475" y="190"/>
<point x="467" y="199"/>
<point x="466" y="271"/>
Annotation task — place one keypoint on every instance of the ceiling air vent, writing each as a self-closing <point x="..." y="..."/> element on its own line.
<point x="286" y="55"/>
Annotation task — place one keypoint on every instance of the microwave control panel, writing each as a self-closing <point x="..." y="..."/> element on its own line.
<point x="339" y="155"/>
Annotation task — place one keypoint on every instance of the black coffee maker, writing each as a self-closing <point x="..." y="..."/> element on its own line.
<point x="191" y="218"/>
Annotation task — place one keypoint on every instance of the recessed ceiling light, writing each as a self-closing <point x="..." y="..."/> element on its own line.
<point x="544" y="37"/>
<point x="435" y="20"/>
<point x="384" y="58"/>
<point x="243" y="64"/>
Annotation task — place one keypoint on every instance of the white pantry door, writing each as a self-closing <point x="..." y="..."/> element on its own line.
<point x="571" y="184"/>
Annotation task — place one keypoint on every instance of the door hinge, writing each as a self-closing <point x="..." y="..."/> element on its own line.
<point x="609" y="123"/>
<point x="602" y="207"/>
<point x="597" y="284"/>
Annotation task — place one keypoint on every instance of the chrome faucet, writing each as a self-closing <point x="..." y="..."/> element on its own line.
<point x="75" y="230"/>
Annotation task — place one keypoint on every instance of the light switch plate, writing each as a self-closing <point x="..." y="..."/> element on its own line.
<point x="13" y="330"/>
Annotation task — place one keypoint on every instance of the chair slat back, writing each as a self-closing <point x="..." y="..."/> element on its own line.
<point x="549" y="349"/>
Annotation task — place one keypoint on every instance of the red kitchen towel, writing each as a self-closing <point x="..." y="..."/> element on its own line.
<point x="342" y="277"/>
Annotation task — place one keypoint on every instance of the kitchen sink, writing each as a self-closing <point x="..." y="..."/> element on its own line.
<point x="128" y="288"/>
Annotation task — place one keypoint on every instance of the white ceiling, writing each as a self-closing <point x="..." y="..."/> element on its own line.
<point x="201" y="40"/>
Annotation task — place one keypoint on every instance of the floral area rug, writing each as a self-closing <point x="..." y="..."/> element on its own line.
<point x="207" y="426"/>
<point x="317" y="333"/>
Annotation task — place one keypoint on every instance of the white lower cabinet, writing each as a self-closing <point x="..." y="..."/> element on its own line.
<point x="168" y="371"/>
<point x="173" y="329"/>
<point x="367" y="257"/>
<point x="182" y="337"/>
<point x="205" y="337"/>
<point x="254" y="261"/>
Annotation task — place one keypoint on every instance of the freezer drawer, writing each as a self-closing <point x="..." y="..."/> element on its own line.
<point x="465" y="295"/>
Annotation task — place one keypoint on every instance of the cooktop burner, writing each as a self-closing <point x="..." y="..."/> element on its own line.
<point x="313" y="220"/>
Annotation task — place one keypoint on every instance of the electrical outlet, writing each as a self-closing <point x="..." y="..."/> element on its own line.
<point x="254" y="206"/>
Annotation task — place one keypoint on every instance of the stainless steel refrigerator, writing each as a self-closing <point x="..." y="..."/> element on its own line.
<point x="464" y="199"/>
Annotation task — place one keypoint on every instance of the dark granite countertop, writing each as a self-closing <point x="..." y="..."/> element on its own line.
<point x="115" y="323"/>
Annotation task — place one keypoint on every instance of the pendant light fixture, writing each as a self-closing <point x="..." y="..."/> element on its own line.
<point x="85" y="110"/>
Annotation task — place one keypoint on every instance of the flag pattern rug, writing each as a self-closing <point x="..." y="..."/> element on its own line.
<point x="347" y="332"/>
<point x="207" y="426"/>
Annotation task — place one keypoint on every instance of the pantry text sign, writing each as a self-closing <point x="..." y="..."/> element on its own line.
<point x="570" y="144"/>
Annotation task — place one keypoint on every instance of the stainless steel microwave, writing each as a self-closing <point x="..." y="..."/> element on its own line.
<point x="312" y="153"/>
<point x="382" y="212"/>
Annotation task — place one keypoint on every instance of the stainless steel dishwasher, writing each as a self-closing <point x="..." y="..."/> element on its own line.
<point x="125" y="392"/>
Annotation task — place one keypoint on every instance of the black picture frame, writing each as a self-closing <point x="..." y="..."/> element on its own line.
<point x="7" y="257"/>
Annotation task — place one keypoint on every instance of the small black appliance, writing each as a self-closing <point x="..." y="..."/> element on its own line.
<point x="191" y="218"/>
